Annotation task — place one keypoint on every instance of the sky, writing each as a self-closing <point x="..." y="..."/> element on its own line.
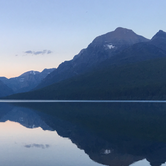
<point x="38" y="34"/>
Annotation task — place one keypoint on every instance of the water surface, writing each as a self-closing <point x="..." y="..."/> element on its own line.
<point x="83" y="133"/>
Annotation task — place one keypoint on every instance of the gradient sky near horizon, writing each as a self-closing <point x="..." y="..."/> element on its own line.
<point x="38" y="34"/>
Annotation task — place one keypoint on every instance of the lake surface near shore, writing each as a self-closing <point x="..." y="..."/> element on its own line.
<point x="84" y="133"/>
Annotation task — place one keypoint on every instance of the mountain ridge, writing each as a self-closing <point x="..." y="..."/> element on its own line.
<point x="26" y="81"/>
<point x="134" y="72"/>
<point x="100" y="49"/>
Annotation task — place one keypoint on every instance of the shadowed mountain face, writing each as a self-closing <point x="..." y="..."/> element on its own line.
<point x="5" y="90"/>
<point x="102" y="48"/>
<point x="110" y="133"/>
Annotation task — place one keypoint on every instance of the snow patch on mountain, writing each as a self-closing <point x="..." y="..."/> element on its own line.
<point x="33" y="72"/>
<point x="110" y="46"/>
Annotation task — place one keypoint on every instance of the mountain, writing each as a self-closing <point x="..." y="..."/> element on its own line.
<point x="143" y="80"/>
<point x="136" y="72"/>
<point x="101" y="48"/>
<point x="5" y="90"/>
<point x="159" y="40"/>
<point x="26" y="81"/>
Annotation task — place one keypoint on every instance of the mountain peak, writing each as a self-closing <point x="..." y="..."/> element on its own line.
<point x="32" y="72"/>
<point x="159" y="40"/>
<point x="159" y="34"/>
<point x="161" y="31"/>
<point x="123" y="30"/>
<point x="120" y="36"/>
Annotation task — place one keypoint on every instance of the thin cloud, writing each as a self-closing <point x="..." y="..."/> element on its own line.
<point x="29" y="52"/>
<point x="49" y="52"/>
<point x="38" y="52"/>
<point x="37" y="146"/>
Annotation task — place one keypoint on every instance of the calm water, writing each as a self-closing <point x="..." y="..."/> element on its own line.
<point x="83" y="133"/>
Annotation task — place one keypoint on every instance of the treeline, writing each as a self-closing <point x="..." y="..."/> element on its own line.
<point x="139" y="80"/>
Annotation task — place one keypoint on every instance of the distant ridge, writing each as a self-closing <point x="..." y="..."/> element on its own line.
<point x="26" y="81"/>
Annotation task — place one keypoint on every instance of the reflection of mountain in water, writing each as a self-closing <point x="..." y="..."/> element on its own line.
<point x="110" y="133"/>
<point x="4" y="109"/>
<point x="98" y="149"/>
<point x="25" y="117"/>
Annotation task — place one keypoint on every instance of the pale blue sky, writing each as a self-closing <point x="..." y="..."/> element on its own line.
<point x="63" y="27"/>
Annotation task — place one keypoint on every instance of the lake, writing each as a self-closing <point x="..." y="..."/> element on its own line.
<point x="84" y="133"/>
